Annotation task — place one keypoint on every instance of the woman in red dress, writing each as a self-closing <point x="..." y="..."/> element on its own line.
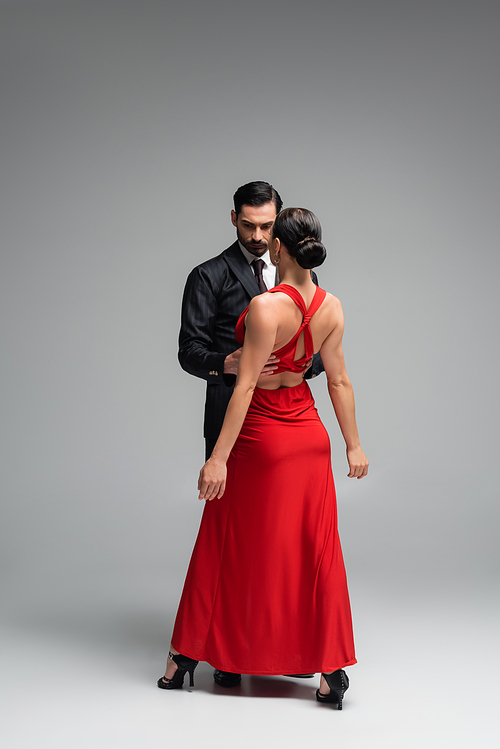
<point x="266" y="590"/>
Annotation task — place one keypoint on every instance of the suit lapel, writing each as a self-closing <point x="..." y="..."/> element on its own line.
<point x="238" y="264"/>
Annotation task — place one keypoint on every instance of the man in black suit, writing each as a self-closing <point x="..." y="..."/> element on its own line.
<point x="217" y="292"/>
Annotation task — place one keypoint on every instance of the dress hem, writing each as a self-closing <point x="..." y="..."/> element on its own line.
<point x="292" y="669"/>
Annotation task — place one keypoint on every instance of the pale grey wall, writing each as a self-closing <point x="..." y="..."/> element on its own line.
<point x="126" y="127"/>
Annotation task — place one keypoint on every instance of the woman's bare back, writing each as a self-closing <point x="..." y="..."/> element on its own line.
<point x="289" y="318"/>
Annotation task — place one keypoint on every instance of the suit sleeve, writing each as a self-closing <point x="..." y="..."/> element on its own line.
<point x="317" y="365"/>
<point x="199" y="310"/>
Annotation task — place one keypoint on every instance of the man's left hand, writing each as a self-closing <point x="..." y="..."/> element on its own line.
<point x="307" y="366"/>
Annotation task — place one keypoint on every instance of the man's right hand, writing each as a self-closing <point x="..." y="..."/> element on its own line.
<point x="232" y="361"/>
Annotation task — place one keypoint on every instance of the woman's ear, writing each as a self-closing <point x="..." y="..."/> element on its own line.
<point x="277" y="250"/>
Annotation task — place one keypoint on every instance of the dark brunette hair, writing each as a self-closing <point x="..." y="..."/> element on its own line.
<point x="300" y="231"/>
<point x="256" y="193"/>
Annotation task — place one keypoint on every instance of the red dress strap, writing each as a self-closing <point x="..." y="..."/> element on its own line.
<point x="286" y="353"/>
<point x="297" y="297"/>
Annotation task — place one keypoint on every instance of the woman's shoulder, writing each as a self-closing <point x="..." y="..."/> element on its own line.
<point x="269" y="300"/>
<point x="262" y="307"/>
<point x="331" y="310"/>
<point x="332" y="301"/>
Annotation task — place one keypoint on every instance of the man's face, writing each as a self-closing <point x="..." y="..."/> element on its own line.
<point x="253" y="226"/>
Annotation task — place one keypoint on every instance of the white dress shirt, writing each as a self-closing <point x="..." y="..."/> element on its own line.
<point x="268" y="272"/>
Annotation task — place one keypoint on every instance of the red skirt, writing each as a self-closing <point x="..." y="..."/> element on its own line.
<point x="266" y="590"/>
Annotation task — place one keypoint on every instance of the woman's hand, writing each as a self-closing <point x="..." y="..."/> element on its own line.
<point x="212" y="481"/>
<point x="358" y="464"/>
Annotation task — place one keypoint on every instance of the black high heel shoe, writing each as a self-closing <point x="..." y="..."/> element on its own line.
<point x="338" y="682"/>
<point x="184" y="665"/>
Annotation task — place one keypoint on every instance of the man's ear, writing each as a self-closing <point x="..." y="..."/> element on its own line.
<point x="234" y="218"/>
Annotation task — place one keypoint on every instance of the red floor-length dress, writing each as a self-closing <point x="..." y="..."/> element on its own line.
<point x="266" y="590"/>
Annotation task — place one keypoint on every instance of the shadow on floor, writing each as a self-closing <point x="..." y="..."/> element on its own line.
<point x="135" y="645"/>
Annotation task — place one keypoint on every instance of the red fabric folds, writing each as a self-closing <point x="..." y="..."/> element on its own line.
<point x="266" y="590"/>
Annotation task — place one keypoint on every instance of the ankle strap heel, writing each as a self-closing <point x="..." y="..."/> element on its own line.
<point x="338" y="681"/>
<point x="184" y="665"/>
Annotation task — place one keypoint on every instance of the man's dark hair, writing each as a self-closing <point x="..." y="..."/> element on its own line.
<point x="256" y="193"/>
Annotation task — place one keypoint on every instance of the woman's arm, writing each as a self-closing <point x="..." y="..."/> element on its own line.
<point x="260" y="336"/>
<point x="342" y="396"/>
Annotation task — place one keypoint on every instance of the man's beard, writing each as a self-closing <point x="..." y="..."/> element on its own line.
<point x="258" y="250"/>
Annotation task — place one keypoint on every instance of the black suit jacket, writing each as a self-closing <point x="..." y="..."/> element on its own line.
<point x="216" y="293"/>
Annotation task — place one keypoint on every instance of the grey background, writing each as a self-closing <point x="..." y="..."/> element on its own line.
<point x="125" y="129"/>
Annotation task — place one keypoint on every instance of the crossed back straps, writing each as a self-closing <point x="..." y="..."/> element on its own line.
<point x="286" y="353"/>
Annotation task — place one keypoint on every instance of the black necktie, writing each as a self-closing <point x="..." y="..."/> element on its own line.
<point x="258" y="267"/>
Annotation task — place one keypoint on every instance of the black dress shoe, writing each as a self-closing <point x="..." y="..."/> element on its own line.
<point x="226" y="678"/>
<point x="301" y="676"/>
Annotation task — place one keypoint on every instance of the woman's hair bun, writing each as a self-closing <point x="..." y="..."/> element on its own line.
<point x="300" y="231"/>
<point x="310" y="252"/>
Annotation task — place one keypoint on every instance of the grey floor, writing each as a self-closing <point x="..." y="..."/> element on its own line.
<point x="82" y="674"/>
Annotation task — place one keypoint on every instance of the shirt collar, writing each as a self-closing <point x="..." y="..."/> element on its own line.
<point x="250" y="258"/>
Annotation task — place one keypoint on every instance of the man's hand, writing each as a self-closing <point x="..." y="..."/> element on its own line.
<point x="307" y="366"/>
<point x="231" y="363"/>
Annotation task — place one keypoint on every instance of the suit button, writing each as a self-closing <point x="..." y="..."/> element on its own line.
<point x="213" y="372"/>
